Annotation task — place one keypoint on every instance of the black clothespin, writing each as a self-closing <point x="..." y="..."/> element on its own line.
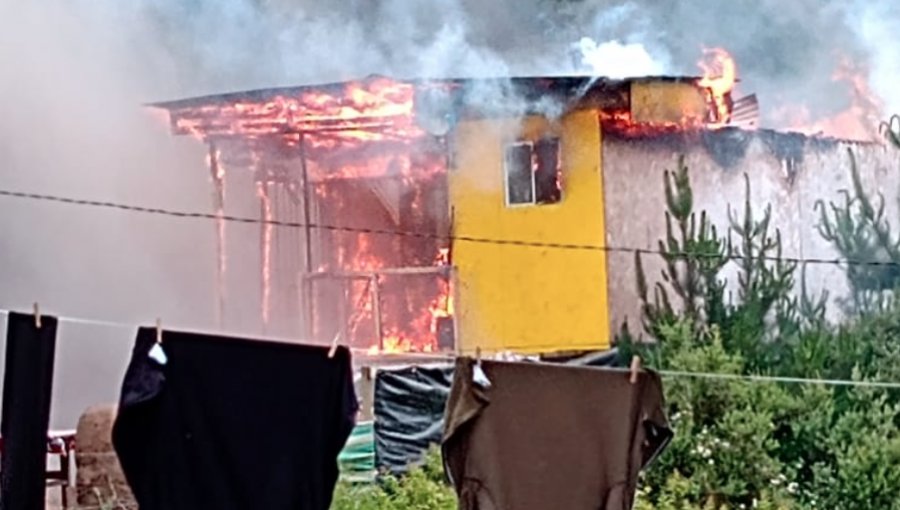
<point x="37" y="315"/>
<point x="635" y="369"/>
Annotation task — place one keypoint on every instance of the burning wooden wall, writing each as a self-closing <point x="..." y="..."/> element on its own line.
<point x="353" y="207"/>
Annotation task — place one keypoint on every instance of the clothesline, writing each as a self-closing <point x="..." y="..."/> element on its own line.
<point x="735" y="377"/>
<point x="450" y="356"/>
<point x="117" y="505"/>
<point x="778" y="379"/>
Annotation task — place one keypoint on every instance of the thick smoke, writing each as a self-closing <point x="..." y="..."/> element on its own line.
<point x="879" y="28"/>
<point x="76" y="72"/>
<point x="787" y="52"/>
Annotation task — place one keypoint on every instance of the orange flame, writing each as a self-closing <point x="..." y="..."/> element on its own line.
<point x="719" y="78"/>
<point x="398" y="344"/>
<point x="858" y="122"/>
<point x="361" y="111"/>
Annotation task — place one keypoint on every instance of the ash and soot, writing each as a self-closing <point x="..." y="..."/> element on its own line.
<point x="78" y="72"/>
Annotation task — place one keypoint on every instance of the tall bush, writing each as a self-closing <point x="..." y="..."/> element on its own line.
<point x="748" y="444"/>
<point x="695" y="256"/>
<point x="422" y="488"/>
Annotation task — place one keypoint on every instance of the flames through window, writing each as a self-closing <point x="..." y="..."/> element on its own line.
<point x="533" y="172"/>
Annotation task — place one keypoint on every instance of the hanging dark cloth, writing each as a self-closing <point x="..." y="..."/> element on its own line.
<point x="232" y="424"/>
<point x="409" y="413"/>
<point x="542" y="436"/>
<point x="27" y="390"/>
<point x="409" y="408"/>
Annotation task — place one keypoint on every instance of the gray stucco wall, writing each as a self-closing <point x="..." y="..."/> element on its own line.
<point x="788" y="171"/>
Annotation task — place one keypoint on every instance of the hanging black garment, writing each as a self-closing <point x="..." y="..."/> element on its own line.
<point x="27" y="389"/>
<point x="230" y="424"/>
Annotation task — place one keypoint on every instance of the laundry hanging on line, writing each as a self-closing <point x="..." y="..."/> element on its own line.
<point x="230" y="424"/>
<point x="27" y="392"/>
<point x="409" y="407"/>
<point x="545" y="436"/>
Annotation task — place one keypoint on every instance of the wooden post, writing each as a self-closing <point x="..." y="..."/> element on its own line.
<point x="376" y="311"/>
<point x="306" y="289"/>
<point x="218" y="178"/>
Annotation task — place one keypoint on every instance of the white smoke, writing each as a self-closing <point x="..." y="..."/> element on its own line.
<point x="616" y="60"/>
<point x="878" y="24"/>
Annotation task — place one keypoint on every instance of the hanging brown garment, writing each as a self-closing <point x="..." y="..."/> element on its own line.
<point x="548" y="437"/>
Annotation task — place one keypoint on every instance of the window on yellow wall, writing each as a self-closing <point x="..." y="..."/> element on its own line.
<point x="519" y="174"/>
<point x="532" y="172"/>
<point x="547" y="189"/>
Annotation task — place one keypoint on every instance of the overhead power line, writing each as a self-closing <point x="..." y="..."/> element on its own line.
<point x="436" y="236"/>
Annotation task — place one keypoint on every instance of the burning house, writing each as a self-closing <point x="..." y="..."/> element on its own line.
<point x="442" y="215"/>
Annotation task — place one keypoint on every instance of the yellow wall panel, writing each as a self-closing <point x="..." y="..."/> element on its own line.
<point x="659" y="102"/>
<point x="529" y="299"/>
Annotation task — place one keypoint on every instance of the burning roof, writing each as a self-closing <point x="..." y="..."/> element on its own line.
<point x="527" y="87"/>
<point x="379" y="108"/>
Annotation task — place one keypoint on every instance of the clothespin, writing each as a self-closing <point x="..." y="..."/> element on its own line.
<point x="37" y="315"/>
<point x="334" y="345"/>
<point x="635" y="369"/>
<point x="478" y="375"/>
<point x="156" y="352"/>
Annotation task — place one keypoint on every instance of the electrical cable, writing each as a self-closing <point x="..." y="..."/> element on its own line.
<point x="439" y="237"/>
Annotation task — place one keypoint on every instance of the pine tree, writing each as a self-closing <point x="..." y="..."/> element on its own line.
<point x="859" y="229"/>
<point x="693" y="253"/>
<point x="891" y="130"/>
<point x="692" y="286"/>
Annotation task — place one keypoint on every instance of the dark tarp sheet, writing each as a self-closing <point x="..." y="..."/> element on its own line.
<point x="409" y="408"/>
<point x="27" y="388"/>
<point x="232" y="424"/>
<point x="409" y="413"/>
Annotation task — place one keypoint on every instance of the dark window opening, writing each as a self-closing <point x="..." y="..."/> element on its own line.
<point x="532" y="173"/>
<point x="546" y="172"/>
<point x="519" y="180"/>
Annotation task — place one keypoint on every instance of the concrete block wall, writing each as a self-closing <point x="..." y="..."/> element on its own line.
<point x="790" y="172"/>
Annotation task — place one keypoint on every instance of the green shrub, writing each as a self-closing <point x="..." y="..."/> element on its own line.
<point x="422" y="488"/>
<point x="749" y="444"/>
